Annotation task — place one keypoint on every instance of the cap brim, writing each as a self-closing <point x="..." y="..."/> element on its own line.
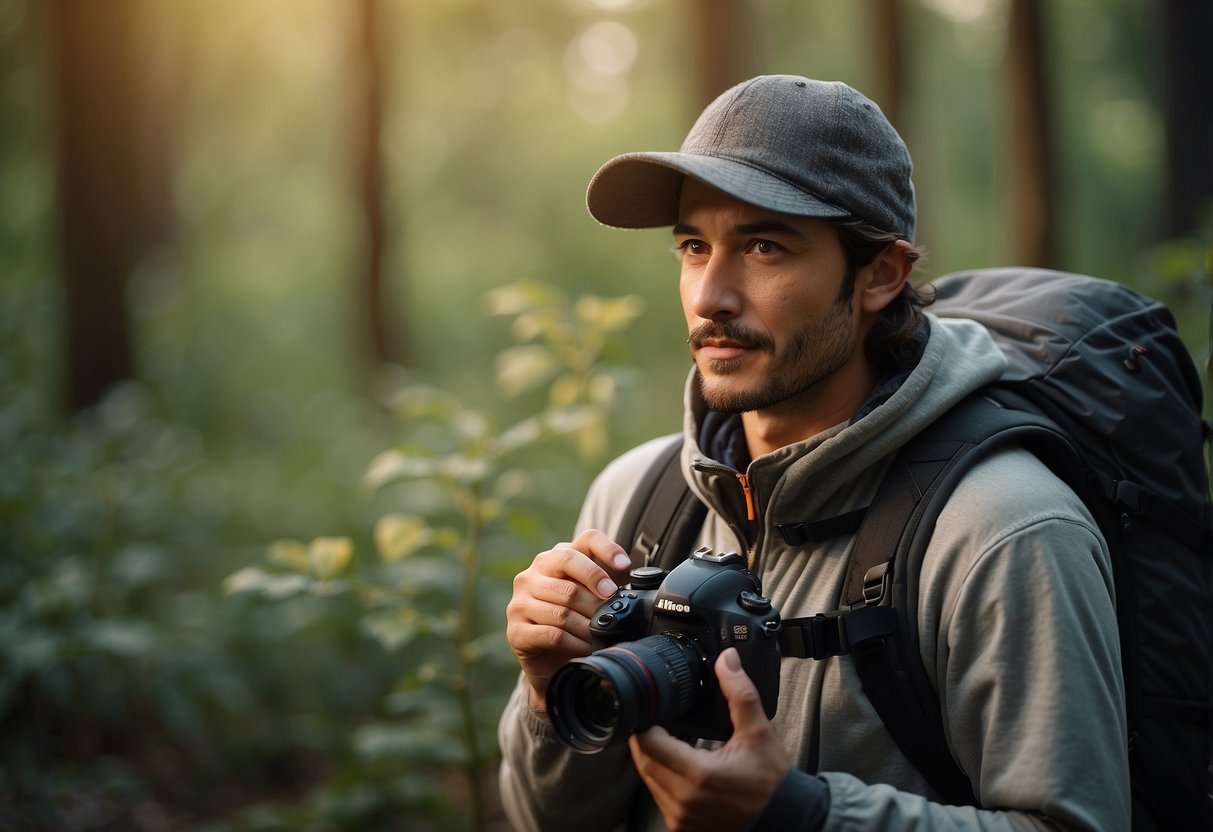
<point x="640" y="190"/>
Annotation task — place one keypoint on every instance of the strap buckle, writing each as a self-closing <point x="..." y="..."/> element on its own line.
<point x="816" y="637"/>
<point x="877" y="585"/>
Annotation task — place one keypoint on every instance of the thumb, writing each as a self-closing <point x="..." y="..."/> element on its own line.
<point x="745" y="704"/>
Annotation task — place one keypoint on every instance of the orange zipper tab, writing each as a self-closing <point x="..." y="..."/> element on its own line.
<point x="751" y="514"/>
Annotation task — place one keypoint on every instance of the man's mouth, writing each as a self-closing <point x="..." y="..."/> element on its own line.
<point x="720" y="349"/>
<point x="717" y="342"/>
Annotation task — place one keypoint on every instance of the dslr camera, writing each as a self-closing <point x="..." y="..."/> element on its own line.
<point x="653" y="647"/>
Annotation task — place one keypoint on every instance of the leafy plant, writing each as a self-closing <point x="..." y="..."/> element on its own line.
<point x="464" y="516"/>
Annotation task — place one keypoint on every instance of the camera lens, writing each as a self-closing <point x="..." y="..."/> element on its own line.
<point x="601" y="699"/>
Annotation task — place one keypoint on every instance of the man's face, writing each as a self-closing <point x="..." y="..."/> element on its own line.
<point x="761" y="294"/>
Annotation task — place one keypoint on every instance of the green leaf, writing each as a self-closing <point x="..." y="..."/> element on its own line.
<point x="489" y="510"/>
<point x="516" y="298"/>
<point x="527" y="327"/>
<point x="565" y="391"/>
<point x="396" y="465"/>
<point x="397" y="536"/>
<point x="471" y="425"/>
<point x="328" y="556"/>
<point x="256" y="579"/>
<point x="609" y="314"/>
<point x="564" y="420"/>
<point x="419" y="741"/>
<point x="463" y="469"/>
<point x="289" y="553"/>
<point x="524" y="368"/>
<point x="122" y="637"/>
<point x="602" y="388"/>
<point x="514" y="484"/>
<point x="526" y="432"/>
<point x="250" y="578"/>
<point x="393" y="629"/>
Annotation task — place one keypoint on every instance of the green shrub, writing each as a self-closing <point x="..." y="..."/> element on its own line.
<point x="467" y="497"/>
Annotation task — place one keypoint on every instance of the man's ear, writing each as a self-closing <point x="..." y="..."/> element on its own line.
<point x="882" y="279"/>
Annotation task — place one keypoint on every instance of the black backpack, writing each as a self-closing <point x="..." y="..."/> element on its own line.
<point x="1100" y="387"/>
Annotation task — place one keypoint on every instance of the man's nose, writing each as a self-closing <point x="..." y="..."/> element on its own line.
<point x="714" y="291"/>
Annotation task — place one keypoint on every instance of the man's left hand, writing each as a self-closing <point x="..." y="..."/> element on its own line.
<point x="724" y="788"/>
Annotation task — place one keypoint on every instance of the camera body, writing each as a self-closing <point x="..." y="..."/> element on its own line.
<point x="654" y="645"/>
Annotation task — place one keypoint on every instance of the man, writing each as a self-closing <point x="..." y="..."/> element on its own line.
<point x="793" y="215"/>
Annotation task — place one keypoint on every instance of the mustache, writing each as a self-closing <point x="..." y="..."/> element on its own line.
<point x="729" y="331"/>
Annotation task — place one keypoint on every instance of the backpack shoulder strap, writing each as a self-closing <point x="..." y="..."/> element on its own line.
<point x="663" y="516"/>
<point x="886" y="565"/>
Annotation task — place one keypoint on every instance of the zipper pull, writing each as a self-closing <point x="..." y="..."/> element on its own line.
<point x="751" y="514"/>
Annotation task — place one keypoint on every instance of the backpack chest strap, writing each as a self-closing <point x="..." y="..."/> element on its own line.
<point x="837" y="633"/>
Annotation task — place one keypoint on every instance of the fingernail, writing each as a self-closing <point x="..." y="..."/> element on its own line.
<point x="731" y="660"/>
<point x="622" y="561"/>
<point x="606" y="587"/>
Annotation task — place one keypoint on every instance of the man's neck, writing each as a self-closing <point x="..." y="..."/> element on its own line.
<point x="805" y="416"/>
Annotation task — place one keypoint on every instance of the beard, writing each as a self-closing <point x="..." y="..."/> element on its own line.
<point x="811" y="355"/>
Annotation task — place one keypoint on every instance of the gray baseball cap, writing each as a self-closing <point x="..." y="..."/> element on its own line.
<point x="781" y="142"/>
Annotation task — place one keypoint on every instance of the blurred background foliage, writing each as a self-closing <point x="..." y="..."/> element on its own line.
<point x="236" y="236"/>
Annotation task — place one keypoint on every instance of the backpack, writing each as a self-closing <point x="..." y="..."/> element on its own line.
<point x="1098" y="386"/>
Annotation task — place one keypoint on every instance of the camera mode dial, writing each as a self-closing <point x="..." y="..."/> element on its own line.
<point x="646" y="577"/>
<point x="754" y="602"/>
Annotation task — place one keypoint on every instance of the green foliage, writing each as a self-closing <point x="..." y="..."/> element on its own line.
<point x="434" y="586"/>
<point x="126" y="681"/>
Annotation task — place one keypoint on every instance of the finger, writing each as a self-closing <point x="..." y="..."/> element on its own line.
<point x="603" y="549"/>
<point x="541" y="650"/>
<point x="527" y="609"/>
<point x="582" y="561"/>
<point x="745" y="703"/>
<point x="662" y="754"/>
<point x="663" y="783"/>
<point x="536" y="588"/>
<point x="534" y="640"/>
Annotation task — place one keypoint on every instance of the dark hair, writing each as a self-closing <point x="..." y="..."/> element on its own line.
<point x="893" y="341"/>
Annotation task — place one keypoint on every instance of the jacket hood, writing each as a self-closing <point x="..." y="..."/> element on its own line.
<point x="838" y="469"/>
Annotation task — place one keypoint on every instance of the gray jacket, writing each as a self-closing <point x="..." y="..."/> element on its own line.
<point x="1016" y="624"/>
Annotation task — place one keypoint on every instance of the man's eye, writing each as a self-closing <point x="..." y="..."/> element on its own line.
<point x="692" y="247"/>
<point x="766" y="247"/>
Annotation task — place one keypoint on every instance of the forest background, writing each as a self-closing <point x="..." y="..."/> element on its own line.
<point x="307" y="342"/>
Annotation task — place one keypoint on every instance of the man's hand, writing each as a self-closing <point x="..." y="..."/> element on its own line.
<point x="548" y="618"/>
<point x="721" y="789"/>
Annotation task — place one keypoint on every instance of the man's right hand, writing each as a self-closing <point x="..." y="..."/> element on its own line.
<point x="548" y="618"/>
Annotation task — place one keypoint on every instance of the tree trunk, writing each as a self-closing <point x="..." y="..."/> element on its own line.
<point x="1188" y="104"/>
<point x="727" y="50"/>
<point x="889" y="29"/>
<point x="1030" y="151"/>
<point x="368" y="81"/>
<point x="98" y="188"/>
